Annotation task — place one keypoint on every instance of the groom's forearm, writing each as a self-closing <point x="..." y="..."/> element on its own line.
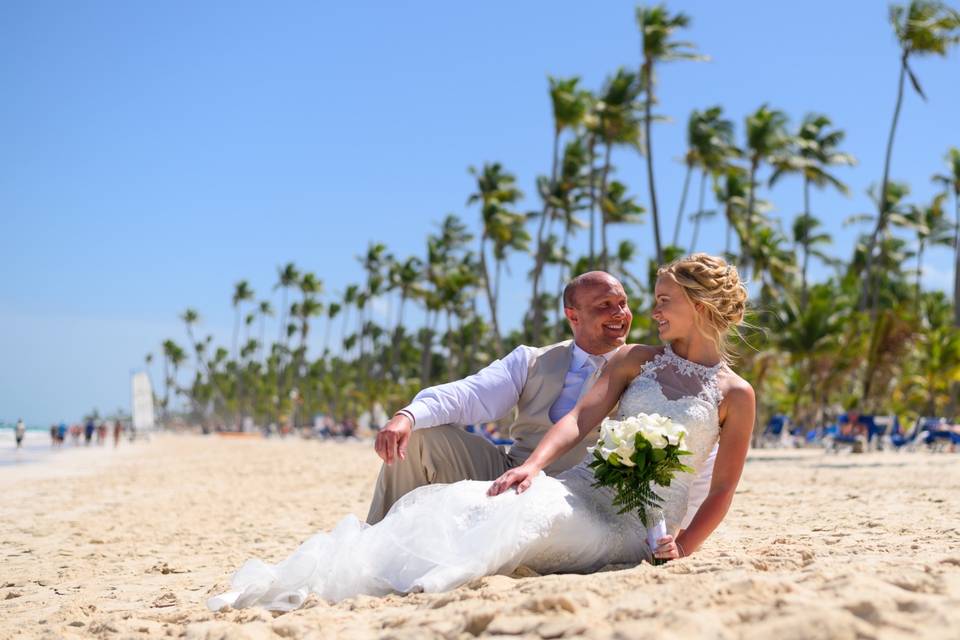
<point x="487" y="395"/>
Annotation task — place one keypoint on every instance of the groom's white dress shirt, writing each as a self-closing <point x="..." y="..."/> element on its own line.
<point x="493" y="391"/>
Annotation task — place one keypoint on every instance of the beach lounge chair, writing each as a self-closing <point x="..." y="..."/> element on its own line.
<point x="879" y="429"/>
<point x="478" y="430"/>
<point x="909" y="439"/>
<point x="937" y="435"/>
<point x="836" y="439"/>
<point x="777" y="427"/>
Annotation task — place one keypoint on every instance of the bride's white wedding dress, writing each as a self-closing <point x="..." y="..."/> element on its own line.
<point x="441" y="536"/>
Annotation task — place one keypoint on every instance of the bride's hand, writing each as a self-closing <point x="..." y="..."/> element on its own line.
<point x="521" y="477"/>
<point x="668" y="549"/>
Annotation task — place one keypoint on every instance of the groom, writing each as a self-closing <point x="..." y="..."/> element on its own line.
<point x="424" y="444"/>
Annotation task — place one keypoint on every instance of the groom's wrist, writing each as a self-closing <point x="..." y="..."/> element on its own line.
<point x="408" y="415"/>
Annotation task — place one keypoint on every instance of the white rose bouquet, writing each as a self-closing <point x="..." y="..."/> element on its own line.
<point x="636" y="453"/>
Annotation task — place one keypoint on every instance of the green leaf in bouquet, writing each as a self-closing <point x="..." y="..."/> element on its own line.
<point x="640" y="458"/>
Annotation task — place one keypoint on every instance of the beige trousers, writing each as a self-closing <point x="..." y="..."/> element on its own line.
<point x="436" y="455"/>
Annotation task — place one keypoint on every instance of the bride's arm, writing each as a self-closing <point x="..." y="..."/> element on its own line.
<point x="734" y="442"/>
<point x="581" y="420"/>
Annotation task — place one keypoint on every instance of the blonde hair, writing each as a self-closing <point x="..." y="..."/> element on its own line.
<point x="715" y="285"/>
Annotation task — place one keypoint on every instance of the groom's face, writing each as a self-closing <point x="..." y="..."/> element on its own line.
<point x="600" y="317"/>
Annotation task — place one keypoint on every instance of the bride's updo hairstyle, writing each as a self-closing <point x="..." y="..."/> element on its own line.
<point x="715" y="285"/>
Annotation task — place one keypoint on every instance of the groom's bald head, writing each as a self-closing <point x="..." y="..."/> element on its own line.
<point x="588" y="280"/>
<point x="595" y="304"/>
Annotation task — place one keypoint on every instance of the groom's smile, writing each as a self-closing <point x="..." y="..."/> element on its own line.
<point x="598" y="313"/>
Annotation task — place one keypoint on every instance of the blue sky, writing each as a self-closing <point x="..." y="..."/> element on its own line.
<point x="155" y="153"/>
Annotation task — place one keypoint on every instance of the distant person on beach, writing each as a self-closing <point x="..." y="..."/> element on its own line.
<point x="53" y="435"/>
<point x="101" y="432"/>
<point x="75" y="432"/>
<point x="61" y="433"/>
<point x="19" y="432"/>
<point x="88" y="430"/>
<point x="117" y="432"/>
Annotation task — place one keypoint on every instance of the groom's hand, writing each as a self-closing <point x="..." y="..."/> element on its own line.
<point x="392" y="439"/>
<point x="521" y="478"/>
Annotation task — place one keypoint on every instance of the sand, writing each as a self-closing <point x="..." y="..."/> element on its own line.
<point x="131" y="543"/>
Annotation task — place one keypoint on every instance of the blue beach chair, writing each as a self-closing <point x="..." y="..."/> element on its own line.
<point x="909" y="439"/>
<point x="773" y="433"/>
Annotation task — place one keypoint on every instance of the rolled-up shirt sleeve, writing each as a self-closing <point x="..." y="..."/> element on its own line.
<point x="486" y="395"/>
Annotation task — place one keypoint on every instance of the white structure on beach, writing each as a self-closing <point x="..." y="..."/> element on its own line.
<point x="141" y="402"/>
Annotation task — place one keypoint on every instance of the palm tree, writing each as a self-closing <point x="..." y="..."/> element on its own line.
<point x="766" y="138"/>
<point x="173" y="357"/>
<point x="496" y="189"/>
<point x="807" y="236"/>
<point x="618" y="208"/>
<point x="333" y="309"/>
<point x="731" y="191"/>
<point x="951" y="182"/>
<point x="891" y="213"/>
<point x="241" y="293"/>
<point x="287" y="277"/>
<point x="811" y="151"/>
<point x="772" y="263"/>
<point x="569" y="106"/>
<point x="613" y="124"/>
<point x="922" y="27"/>
<point x="406" y="278"/>
<point x="933" y="229"/>
<point x="264" y="309"/>
<point x="310" y="286"/>
<point x="709" y="145"/>
<point x="570" y="193"/>
<point x="657" y="27"/>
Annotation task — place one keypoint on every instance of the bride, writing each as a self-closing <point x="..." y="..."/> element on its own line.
<point x="438" y="537"/>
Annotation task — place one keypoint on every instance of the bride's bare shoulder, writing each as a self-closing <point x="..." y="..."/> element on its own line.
<point x="634" y="356"/>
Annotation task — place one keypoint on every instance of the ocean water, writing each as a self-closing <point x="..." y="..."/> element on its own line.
<point x="36" y="446"/>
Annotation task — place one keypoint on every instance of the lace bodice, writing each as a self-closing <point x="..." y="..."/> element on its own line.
<point x="688" y="393"/>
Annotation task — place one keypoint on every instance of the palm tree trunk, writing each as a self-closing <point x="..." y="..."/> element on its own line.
<point x="648" y="107"/>
<point x="593" y="202"/>
<point x="166" y="388"/>
<point x="696" y="224"/>
<point x="491" y="300"/>
<point x="426" y="352"/>
<point x="326" y="337"/>
<point x="281" y="341"/>
<point x="263" y="337"/>
<point x="604" y="255"/>
<point x="728" y="212"/>
<point x="956" y="260"/>
<point x="541" y="256"/>
<point x="919" y="272"/>
<point x="236" y="332"/>
<point x="395" y="347"/>
<point x="561" y="282"/>
<point x="751" y="202"/>
<point x="806" y="244"/>
<point x="882" y="205"/>
<point x="450" y="347"/>
<point x="683" y="203"/>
